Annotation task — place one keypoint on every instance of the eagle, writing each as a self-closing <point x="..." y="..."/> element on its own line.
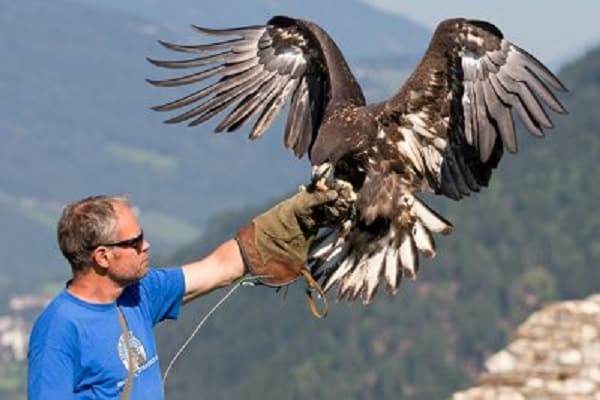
<point x="444" y="131"/>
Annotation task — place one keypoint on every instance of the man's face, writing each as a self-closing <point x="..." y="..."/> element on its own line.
<point x="128" y="264"/>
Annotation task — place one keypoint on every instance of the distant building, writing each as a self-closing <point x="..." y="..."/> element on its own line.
<point x="28" y="301"/>
<point x="15" y="327"/>
<point x="14" y="333"/>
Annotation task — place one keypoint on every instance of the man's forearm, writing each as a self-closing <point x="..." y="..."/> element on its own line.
<point x="220" y="268"/>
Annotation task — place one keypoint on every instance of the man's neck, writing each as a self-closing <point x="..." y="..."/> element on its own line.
<point x="94" y="289"/>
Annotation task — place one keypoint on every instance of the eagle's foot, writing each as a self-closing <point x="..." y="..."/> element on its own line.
<point x="344" y="189"/>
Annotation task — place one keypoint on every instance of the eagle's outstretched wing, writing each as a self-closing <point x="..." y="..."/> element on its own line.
<point x="444" y="132"/>
<point x="259" y="69"/>
<point x="457" y="108"/>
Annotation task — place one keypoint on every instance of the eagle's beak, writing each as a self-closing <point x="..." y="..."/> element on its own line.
<point x="321" y="171"/>
<point x="320" y="174"/>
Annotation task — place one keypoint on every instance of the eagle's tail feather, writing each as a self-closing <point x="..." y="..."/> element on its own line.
<point x="357" y="260"/>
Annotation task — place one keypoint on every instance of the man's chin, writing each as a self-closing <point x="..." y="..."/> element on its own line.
<point x="144" y="270"/>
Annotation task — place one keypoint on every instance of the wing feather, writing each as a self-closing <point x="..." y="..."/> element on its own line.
<point x="375" y="267"/>
<point x="392" y="274"/>
<point x="465" y="94"/>
<point x="251" y="104"/>
<point x="469" y="113"/>
<point x="523" y="103"/>
<point x="349" y="281"/>
<point x="248" y="32"/>
<point x="485" y="129"/>
<point x="223" y="98"/>
<point x="423" y="239"/>
<point x="193" y="62"/>
<point x="502" y="118"/>
<point x="345" y="266"/>
<point x="539" y="69"/>
<point x="408" y="256"/>
<point x="537" y="86"/>
<point x="191" y="78"/>
<point x="523" y="90"/>
<point x="449" y="183"/>
<point x="508" y="97"/>
<point x="275" y="103"/>
<point x="260" y="68"/>
<point x="452" y="165"/>
<point x="223" y="85"/>
<point x="298" y="117"/>
<point x="233" y="44"/>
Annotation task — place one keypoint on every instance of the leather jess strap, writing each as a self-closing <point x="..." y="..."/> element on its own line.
<point x="312" y="284"/>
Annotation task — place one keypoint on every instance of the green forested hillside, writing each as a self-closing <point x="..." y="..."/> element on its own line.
<point x="533" y="236"/>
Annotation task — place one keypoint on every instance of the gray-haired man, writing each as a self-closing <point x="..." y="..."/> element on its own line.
<point x="95" y="339"/>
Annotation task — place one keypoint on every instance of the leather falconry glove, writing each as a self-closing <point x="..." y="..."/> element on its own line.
<point x="275" y="244"/>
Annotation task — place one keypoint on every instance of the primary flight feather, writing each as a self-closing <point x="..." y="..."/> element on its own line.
<point x="444" y="131"/>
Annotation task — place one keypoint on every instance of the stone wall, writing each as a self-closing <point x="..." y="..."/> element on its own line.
<point x="554" y="355"/>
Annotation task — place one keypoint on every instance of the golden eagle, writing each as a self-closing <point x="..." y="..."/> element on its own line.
<point x="444" y="131"/>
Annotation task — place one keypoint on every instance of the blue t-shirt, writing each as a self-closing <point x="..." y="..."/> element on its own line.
<point x="77" y="350"/>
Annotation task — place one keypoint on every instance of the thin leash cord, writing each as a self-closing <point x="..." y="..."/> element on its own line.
<point x="243" y="282"/>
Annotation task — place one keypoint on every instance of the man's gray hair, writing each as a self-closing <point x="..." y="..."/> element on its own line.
<point x="85" y="224"/>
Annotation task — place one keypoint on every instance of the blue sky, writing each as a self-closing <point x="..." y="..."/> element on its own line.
<point x="553" y="30"/>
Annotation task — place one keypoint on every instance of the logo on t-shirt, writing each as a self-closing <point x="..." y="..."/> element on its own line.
<point x="137" y="349"/>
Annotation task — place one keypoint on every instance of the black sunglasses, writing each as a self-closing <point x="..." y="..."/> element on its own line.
<point x="136" y="243"/>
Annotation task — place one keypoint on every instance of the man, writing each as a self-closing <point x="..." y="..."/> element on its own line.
<point x="95" y="339"/>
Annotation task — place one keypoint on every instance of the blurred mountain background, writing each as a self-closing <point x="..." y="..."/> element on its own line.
<point x="75" y="121"/>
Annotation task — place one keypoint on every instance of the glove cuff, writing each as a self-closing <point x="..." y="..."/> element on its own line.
<point x="272" y="273"/>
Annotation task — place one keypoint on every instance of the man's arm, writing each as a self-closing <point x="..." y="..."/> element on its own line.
<point x="275" y="244"/>
<point x="220" y="268"/>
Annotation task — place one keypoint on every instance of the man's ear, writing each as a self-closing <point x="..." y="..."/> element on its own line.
<point x="101" y="256"/>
